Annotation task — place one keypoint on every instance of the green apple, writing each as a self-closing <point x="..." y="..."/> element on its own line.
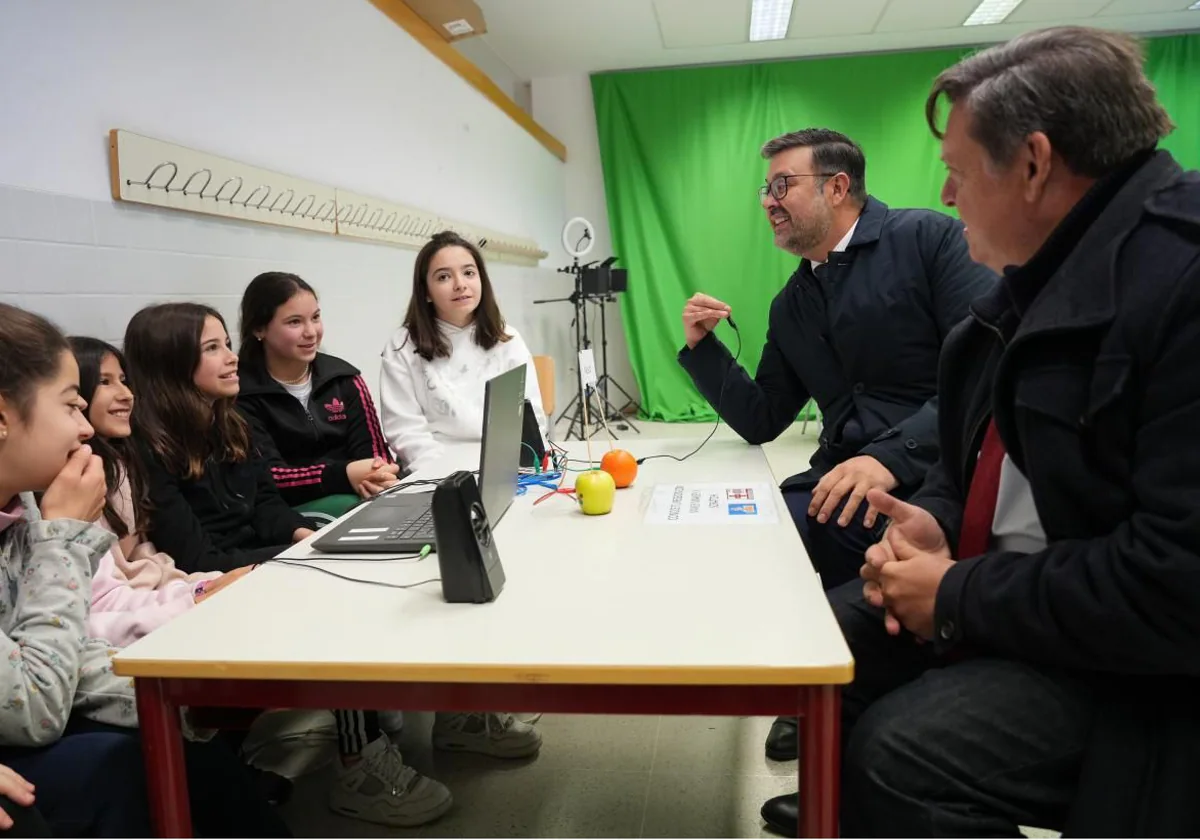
<point x="596" y="490"/>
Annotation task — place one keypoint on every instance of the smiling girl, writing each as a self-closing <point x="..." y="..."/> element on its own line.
<point x="136" y="588"/>
<point x="215" y="505"/>
<point x="453" y="341"/>
<point x="311" y="414"/>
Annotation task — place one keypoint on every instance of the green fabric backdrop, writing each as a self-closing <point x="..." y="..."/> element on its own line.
<point x="681" y="164"/>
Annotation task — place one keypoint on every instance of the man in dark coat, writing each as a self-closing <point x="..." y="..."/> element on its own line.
<point x="1028" y="650"/>
<point x="858" y="327"/>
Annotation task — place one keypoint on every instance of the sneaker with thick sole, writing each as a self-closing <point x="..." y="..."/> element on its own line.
<point x="381" y="788"/>
<point x="488" y="733"/>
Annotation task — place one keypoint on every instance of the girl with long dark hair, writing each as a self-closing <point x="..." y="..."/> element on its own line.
<point x="453" y="341"/>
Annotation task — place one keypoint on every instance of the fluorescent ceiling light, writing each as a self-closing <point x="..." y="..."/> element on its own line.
<point x="1195" y="7"/>
<point x="991" y="11"/>
<point x="769" y="19"/>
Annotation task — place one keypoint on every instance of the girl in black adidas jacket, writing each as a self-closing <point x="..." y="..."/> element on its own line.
<point x="312" y="415"/>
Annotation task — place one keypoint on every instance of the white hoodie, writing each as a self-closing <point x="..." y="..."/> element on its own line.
<point x="425" y="405"/>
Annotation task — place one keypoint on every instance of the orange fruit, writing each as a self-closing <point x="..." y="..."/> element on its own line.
<point x="621" y="465"/>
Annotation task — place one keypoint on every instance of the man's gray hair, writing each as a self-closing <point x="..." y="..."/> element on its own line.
<point x="1084" y="88"/>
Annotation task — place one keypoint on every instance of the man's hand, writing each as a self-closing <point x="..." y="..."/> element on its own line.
<point x="854" y="478"/>
<point x="700" y="316"/>
<point x="904" y="570"/>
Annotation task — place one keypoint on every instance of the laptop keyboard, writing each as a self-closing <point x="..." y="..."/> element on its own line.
<point x="421" y="526"/>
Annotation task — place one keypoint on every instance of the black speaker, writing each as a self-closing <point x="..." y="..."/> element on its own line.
<point x="467" y="558"/>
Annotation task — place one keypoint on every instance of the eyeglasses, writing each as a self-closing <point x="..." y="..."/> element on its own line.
<point x="778" y="187"/>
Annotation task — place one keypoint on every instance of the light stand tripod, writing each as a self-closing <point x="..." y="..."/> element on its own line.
<point x="598" y="406"/>
<point x="621" y="416"/>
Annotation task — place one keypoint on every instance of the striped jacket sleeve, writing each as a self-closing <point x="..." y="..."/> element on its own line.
<point x="296" y="484"/>
<point x="366" y="433"/>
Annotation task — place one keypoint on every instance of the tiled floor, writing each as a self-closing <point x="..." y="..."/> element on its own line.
<point x="598" y="776"/>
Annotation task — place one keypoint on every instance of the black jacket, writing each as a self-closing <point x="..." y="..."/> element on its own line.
<point x="863" y="341"/>
<point x="1087" y="359"/>
<point x="231" y="516"/>
<point x="307" y="451"/>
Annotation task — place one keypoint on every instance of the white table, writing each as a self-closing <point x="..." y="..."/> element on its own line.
<point x="598" y="614"/>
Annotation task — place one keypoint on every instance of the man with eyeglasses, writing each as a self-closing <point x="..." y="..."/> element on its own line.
<point x="858" y="328"/>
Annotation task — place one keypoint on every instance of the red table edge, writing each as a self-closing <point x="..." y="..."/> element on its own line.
<point x="818" y="706"/>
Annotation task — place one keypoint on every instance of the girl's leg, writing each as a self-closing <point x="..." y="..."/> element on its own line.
<point x="91" y="784"/>
<point x="355" y="730"/>
<point x="27" y="821"/>
<point x="374" y="784"/>
<point x="225" y="801"/>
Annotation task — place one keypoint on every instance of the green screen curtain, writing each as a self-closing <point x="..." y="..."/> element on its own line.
<point x="680" y="153"/>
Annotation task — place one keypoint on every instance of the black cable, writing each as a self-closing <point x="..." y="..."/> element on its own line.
<point x="416" y="482"/>
<point x="331" y="573"/>
<point x="720" y="402"/>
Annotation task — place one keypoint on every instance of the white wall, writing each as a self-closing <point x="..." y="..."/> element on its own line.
<point x="563" y="106"/>
<point x="480" y="53"/>
<point x="326" y="89"/>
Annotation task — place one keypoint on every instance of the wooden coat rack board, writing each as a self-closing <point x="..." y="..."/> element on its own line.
<point x="161" y="174"/>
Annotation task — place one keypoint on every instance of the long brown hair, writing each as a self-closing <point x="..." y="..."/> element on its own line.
<point x="421" y="318"/>
<point x="181" y="426"/>
<point x="120" y="458"/>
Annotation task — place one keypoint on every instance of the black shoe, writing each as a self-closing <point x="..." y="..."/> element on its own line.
<point x="782" y="813"/>
<point x="781" y="740"/>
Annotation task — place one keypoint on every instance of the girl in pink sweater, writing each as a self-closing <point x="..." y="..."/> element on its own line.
<point x="135" y="588"/>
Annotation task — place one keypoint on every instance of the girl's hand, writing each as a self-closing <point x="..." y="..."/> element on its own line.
<point x="79" y="490"/>
<point x="371" y="476"/>
<point x="302" y="534"/>
<point x="211" y="587"/>
<point x="15" y="788"/>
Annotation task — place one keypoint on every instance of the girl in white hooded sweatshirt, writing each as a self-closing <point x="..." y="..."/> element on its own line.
<point x="453" y="341"/>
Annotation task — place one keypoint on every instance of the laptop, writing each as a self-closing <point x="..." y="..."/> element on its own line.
<point x="402" y="523"/>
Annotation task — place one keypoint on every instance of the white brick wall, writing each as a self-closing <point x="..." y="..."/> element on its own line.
<point x="89" y="265"/>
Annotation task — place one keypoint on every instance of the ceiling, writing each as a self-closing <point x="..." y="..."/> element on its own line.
<point x="537" y="38"/>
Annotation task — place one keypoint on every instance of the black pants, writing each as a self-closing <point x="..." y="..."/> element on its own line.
<point x="952" y="749"/>
<point x="27" y="821"/>
<point x="92" y="783"/>
<point x="836" y="552"/>
<point x="355" y="729"/>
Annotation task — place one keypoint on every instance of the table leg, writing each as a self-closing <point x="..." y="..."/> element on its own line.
<point x="821" y="760"/>
<point x="166" y="773"/>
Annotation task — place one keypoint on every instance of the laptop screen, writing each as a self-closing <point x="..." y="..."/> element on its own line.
<point x="500" y="452"/>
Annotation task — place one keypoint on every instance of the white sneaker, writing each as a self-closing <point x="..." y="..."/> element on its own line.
<point x="491" y="733"/>
<point x="381" y="788"/>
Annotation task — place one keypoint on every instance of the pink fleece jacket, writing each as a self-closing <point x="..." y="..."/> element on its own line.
<point x="136" y="589"/>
